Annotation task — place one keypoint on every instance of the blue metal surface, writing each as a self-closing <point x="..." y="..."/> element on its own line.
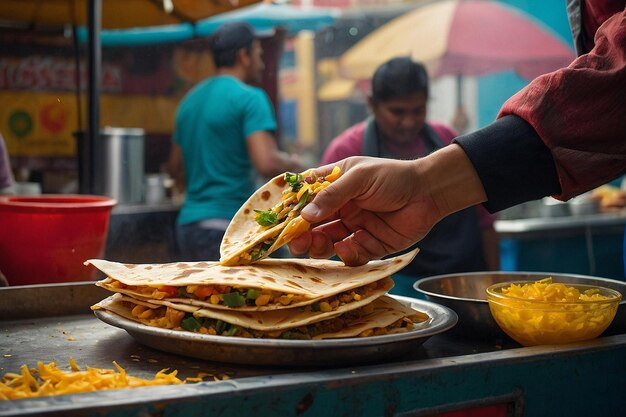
<point x="580" y="380"/>
<point x="444" y="374"/>
<point x="602" y="256"/>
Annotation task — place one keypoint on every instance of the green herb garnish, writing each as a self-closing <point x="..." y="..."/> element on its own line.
<point x="265" y="217"/>
<point x="294" y="180"/>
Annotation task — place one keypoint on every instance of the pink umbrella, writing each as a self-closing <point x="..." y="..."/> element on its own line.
<point x="461" y="37"/>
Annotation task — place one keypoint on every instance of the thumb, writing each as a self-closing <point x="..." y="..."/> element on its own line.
<point x="329" y="200"/>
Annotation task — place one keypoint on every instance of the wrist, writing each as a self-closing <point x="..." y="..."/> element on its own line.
<point x="451" y="179"/>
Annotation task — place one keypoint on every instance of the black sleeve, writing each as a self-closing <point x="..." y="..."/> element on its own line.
<point x="512" y="162"/>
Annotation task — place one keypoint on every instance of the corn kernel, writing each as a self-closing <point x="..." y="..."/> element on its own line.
<point x="262" y="300"/>
<point x="325" y="307"/>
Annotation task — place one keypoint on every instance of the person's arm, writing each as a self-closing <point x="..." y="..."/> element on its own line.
<point x="267" y="159"/>
<point x="176" y="168"/>
<point x="578" y="112"/>
<point x="561" y="135"/>
<point x="512" y="162"/>
<point x="258" y="125"/>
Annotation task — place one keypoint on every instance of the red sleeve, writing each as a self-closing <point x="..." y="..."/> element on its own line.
<point x="349" y="143"/>
<point x="579" y="112"/>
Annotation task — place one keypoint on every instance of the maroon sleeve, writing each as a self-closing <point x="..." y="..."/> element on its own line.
<point x="579" y="112"/>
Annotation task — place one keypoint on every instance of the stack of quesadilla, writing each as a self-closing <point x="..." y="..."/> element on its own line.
<point x="246" y="295"/>
<point x="274" y="298"/>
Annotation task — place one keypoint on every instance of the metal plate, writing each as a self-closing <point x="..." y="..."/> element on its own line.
<point x="290" y="352"/>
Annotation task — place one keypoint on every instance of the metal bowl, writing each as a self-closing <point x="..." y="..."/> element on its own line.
<point x="466" y="295"/>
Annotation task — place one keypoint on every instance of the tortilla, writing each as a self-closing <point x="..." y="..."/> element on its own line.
<point x="301" y="281"/>
<point x="271" y="217"/>
<point x="381" y="316"/>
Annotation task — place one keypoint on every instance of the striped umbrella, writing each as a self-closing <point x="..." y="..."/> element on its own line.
<point x="461" y="37"/>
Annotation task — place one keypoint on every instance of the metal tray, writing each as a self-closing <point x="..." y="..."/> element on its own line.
<point x="289" y="352"/>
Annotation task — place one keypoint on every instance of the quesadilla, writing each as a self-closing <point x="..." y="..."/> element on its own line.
<point x="384" y="315"/>
<point x="267" y="285"/>
<point x="271" y="217"/>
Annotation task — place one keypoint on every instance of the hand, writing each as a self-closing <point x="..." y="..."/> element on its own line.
<point x="381" y="206"/>
<point x="375" y="208"/>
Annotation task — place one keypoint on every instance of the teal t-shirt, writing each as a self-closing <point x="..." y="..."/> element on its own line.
<point x="212" y="123"/>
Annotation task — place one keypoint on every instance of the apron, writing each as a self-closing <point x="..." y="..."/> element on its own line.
<point x="455" y="243"/>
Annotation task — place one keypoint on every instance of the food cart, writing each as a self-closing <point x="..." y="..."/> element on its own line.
<point x="446" y="375"/>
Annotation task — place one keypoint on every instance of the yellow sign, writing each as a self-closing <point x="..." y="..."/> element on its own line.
<point x="38" y="124"/>
<point x="43" y="124"/>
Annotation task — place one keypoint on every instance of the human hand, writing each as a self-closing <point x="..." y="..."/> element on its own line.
<point x="381" y="206"/>
<point x="373" y="209"/>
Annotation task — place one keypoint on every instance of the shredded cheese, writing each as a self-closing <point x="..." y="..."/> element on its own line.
<point x="545" y="312"/>
<point x="48" y="380"/>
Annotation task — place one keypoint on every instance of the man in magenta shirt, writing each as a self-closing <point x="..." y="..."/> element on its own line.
<point x="466" y="240"/>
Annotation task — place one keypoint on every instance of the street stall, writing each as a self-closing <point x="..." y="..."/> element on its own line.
<point x="589" y="244"/>
<point x="442" y="375"/>
<point x="420" y="363"/>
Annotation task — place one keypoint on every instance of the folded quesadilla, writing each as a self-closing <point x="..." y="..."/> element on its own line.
<point x="384" y="315"/>
<point x="271" y="217"/>
<point x="267" y="285"/>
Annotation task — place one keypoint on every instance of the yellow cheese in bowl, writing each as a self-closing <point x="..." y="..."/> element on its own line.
<point x="544" y="312"/>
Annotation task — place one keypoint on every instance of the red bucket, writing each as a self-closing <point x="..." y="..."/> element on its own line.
<point x="47" y="238"/>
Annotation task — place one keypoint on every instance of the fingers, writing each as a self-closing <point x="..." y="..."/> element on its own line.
<point x="299" y="246"/>
<point x="333" y="197"/>
<point x="319" y="242"/>
<point x="354" y="249"/>
<point x="360" y="248"/>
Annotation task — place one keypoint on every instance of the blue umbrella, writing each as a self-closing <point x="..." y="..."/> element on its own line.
<point x="267" y="16"/>
<point x="263" y="17"/>
<point x="142" y="35"/>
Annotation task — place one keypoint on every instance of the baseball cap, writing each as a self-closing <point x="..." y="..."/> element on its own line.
<point x="232" y="36"/>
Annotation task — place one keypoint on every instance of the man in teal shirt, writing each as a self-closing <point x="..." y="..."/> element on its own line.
<point x="223" y="140"/>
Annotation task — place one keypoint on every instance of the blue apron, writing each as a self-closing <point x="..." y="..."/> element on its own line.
<point x="454" y="244"/>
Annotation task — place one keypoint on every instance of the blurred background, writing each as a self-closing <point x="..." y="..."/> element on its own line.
<point x="70" y="69"/>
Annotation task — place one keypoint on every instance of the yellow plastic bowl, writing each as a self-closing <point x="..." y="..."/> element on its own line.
<point x="533" y="322"/>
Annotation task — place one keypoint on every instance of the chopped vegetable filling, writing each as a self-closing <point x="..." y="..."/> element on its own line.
<point x="298" y="194"/>
<point x="159" y="317"/>
<point x="237" y="297"/>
